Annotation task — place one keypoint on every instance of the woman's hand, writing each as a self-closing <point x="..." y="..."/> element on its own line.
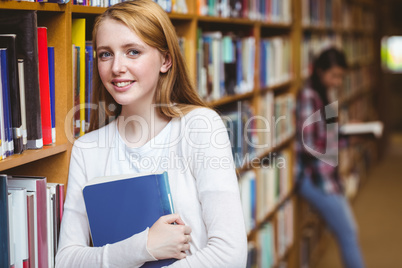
<point x="166" y="240"/>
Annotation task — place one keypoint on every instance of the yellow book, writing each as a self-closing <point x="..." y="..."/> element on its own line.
<point x="78" y="39"/>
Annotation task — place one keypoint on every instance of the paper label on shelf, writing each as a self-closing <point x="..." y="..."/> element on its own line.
<point x="39" y="143"/>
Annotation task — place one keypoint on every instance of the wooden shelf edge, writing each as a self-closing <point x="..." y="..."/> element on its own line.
<point x="229" y="99"/>
<point x="24" y="5"/>
<point x="278" y="86"/>
<point x="249" y="165"/>
<point x="77" y="9"/>
<point x="32" y="155"/>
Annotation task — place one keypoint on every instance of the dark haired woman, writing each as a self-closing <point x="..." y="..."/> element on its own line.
<point x="317" y="152"/>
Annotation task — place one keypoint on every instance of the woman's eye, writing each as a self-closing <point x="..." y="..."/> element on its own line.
<point x="133" y="52"/>
<point x="104" y="55"/>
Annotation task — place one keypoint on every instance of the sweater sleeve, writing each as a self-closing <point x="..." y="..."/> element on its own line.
<point x="208" y="144"/>
<point x="74" y="249"/>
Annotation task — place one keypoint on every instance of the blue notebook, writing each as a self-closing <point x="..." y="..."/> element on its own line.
<point x="121" y="206"/>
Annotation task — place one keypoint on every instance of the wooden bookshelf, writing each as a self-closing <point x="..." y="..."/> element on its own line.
<point x="53" y="161"/>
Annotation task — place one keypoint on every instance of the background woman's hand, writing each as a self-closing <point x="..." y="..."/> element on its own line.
<point x="166" y="240"/>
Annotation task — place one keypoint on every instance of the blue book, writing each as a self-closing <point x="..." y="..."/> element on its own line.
<point x="89" y="58"/>
<point x="6" y="103"/>
<point x="4" y="228"/>
<point x="120" y="206"/>
<point x="50" y="53"/>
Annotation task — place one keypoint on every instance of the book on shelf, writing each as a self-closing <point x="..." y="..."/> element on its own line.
<point x="78" y="39"/>
<point x="4" y="230"/>
<point x="43" y="61"/>
<point x="32" y="230"/>
<point x="5" y="104"/>
<point x="21" y="79"/>
<point x="372" y="127"/>
<point x="23" y="23"/>
<point x="34" y="210"/>
<point x="8" y="41"/>
<point x="20" y="222"/>
<point x="123" y="205"/>
<point x="225" y="64"/>
<point x="247" y="186"/>
<point x="89" y="60"/>
<point x="52" y="87"/>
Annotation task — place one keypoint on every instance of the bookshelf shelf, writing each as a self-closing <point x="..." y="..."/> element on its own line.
<point x="87" y="10"/>
<point x="230" y="99"/>
<point x="29" y="156"/>
<point x="226" y="20"/>
<point x="23" y="5"/>
<point x="280" y="86"/>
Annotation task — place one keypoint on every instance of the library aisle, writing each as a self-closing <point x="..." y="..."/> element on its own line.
<point x="378" y="213"/>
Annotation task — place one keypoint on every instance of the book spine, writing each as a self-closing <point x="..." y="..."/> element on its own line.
<point x="44" y="85"/>
<point x="2" y="125"/>
<point x="6" y="104"/>
<point x="52" y="86"/>
<point x="4" y="230"/>
<point x="22" y="103"/>
<point x="165" y="194"/>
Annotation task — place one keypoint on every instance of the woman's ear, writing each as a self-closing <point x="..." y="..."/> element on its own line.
<point x="167" y="63"/>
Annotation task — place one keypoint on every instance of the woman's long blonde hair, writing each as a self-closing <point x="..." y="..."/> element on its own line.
<point x="151" y="23"/>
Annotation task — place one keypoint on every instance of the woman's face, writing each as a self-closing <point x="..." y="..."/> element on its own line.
<point x="128" y="67"/>
<point x="333" y="77"/>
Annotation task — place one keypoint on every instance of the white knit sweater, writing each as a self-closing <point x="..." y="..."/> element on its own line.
<point x="203" y="184"/>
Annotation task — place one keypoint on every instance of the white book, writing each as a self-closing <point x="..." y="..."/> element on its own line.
<point x="374" y="127"/>
<point x="22" y="101"/>
<point x="20" y="232"/>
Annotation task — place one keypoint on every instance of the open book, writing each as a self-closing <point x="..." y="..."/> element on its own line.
<point x="123" y="205"/>
<point x="374" y="127"/>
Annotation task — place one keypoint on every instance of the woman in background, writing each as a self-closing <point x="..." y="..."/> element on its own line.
<point x="317" y="144"/>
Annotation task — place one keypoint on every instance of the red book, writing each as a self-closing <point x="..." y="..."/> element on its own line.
<point x="44" y="86"/>
<point x="31" y="231"/>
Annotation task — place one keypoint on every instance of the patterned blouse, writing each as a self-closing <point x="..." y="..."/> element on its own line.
<point x="317" y="142"/>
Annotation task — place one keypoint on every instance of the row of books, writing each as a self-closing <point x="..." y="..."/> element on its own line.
<point x="262" y="188"/>
<point x="31" y="210"/>
<point x="242" y="132"/>
<point x="275" y="11"/>
<point x="27" y="85"/>
<point x="275" y="182"/>
<point x="358" y="49"/>
<point x="336" y="13"/>
<point x="252" y="134"/>
<point x="356" y="80"/>
<point x="274" y="239"/>
<point x="177" y="6"/>
<point x="323" y="13"/>
<point x="225" y="64"/>
<point x="275" y="61"/>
